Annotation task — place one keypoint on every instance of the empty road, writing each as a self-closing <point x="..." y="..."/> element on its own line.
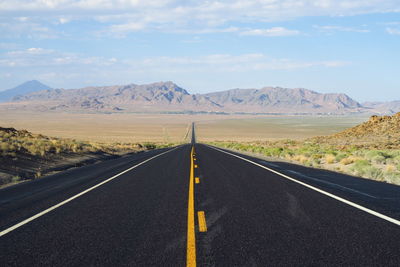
<point x="199" y="205"/>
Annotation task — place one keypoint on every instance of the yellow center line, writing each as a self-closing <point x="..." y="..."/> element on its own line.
<point x="191" y="239"/>
<point x="197" y="180"/>
<point x="202" y="221"/>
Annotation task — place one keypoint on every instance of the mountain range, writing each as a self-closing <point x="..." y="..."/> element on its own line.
<point x="169" y="97"/>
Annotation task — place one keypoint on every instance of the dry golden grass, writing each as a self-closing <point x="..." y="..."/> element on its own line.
<point x="349" y="160"/>
<point x="390" y="168"/>
<point x="330" y="159"/>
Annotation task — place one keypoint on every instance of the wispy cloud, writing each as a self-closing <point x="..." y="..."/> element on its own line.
<point x="393" y="31"/>
<point x="9" y="46"/>
<point x="272" y="32"/>
<point x="331" y="28"/>
<point x="227" y="63"/>
<point x="27" y="29"/>
<point x="39" y="57"/>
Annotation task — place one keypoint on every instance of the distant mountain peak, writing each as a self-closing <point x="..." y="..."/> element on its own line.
<point x="32" y="82"/>
<point x="22" y="89"/>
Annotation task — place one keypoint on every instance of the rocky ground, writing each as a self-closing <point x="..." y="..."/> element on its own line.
<point x="379" y="132"/>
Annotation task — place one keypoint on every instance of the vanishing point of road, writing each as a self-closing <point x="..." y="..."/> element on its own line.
<point x="199" y="205"/>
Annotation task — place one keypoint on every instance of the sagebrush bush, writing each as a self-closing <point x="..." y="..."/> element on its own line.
<point x="347" y="161"/>
<point x="379" y="159"/>
<point x="330" y="159"/>
<point x="390" y="168"/>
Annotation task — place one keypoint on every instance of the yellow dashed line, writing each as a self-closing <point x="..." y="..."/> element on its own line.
<point x="202" y="221"/>
<point x="191" y="238"/>
<point x="197" y="180"/>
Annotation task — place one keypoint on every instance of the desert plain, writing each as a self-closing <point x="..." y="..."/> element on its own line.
<point x="173" y="128"/>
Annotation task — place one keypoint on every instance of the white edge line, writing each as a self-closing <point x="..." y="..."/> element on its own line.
<point x="12" y="228"/>
<point x="377" y="214"/>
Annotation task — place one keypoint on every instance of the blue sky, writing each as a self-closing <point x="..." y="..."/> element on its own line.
<point x="344" y="46"/>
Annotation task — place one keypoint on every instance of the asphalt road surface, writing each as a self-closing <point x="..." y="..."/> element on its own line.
<point x="196" y="204"/>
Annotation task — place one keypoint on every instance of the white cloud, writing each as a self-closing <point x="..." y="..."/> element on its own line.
<point x="208" y="30"/>
<point x="29" y="51"/>
<point x="331" y="28"/>
<point x="393" y="31"/>
<point x="71" y="69"/>
<point x="26" y="29"/>
<point x="127" y="27"/>
<point x="272" y="32"/>
<point x="9" y="46"/>
<point x="40" y="57"/>
<point x="338" y="7"/>
<point x="226" y="63"/>
<point x="124" y="16"/>
<point x="63" y="20"/>
<point x="23" y="19"/>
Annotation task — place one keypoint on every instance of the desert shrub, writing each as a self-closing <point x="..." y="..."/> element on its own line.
<point x="38" y="174"/>
<point x="372" y="172"/>
<point x="75" y="148"/>
<point x="149" y="146"/>
<point x="392" y="177"/>
<point x="330" y="159"/>
<point x="4" y="147"/>
<point x="168" y="145"/>
<point x="347" y="161"/>
<point x="301" y="158"/>
<point x="371" y="154"/>
<point x="379" y="159"/>
<point x="274" y="151"/>
<point x="396" y="159"/>
<point x="362" y="163"/>
<point x="256" y="149"/>
<point x="340" y="156"/>
<point x="377" y="154"/>
<point x="363" y="167"/>
<point x="390" y="168"/>
<point x="316" y="162"/>
<point x="15" y="179"/>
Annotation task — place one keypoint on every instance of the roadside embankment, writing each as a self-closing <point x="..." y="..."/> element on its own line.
<point x="26" y="156"/>
<point x="370" y="150"/>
